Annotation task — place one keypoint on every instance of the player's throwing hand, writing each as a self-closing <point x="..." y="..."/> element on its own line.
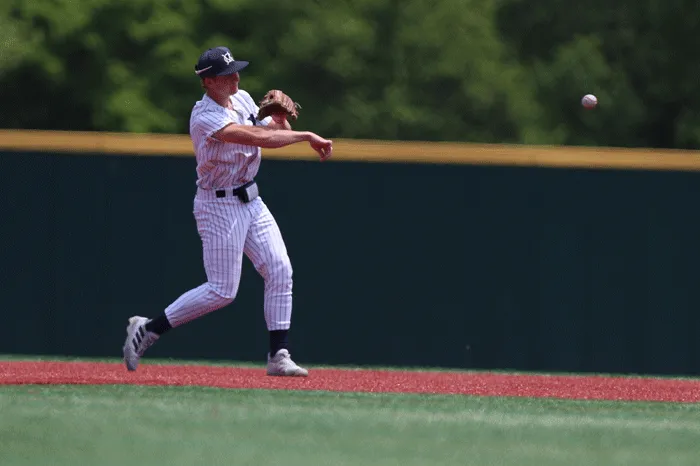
<point x="324" y="147"/>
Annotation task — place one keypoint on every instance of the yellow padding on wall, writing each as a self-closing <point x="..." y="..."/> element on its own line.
<point x="365" y="151"/>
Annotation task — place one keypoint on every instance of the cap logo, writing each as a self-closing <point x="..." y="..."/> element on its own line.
<point x="227" y="57"/>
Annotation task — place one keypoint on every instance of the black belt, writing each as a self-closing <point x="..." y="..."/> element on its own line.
<point x="235" y="192"/>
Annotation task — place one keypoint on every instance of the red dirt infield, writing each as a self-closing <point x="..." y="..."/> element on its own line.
<point x="371" y="381"/>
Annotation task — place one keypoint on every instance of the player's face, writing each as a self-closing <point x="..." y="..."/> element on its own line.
<point x="229" y="83"/>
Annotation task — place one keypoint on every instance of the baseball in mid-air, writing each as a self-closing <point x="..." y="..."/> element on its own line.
<point x="589" y="101"/>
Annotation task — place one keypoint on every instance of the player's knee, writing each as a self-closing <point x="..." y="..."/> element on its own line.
<point x="225" y="291"/>
<point x="225" y="300"/>
<point x="280" y="271"/>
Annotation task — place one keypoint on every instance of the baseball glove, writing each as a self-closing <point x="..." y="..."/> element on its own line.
<point x="276" y="101"/>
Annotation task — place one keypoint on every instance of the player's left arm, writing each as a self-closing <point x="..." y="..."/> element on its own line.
<point x="276" y="108"/>
<point x="279" y="121"/>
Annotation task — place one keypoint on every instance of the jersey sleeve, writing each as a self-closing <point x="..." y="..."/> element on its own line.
<point x="209" y="122"/>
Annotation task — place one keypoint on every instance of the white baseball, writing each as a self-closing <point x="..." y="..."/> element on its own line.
<point x="589" y="101"/>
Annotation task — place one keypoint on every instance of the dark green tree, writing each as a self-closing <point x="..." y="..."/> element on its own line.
<point x="641" y="58"/>
<point x="363" y="68"/>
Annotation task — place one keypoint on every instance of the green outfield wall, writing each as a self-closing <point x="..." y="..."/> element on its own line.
<point x="480" y="257"/>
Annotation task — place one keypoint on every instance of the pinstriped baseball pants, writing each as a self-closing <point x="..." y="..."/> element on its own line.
<point x="230" y="228"/>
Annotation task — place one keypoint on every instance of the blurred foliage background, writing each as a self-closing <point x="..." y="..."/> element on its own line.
<point x="458" y="70"/>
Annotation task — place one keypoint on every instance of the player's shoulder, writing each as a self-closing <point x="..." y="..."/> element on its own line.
<point x="207" y="114"/>
<point x="206" y="106"/>
<point x="244" y="96"/>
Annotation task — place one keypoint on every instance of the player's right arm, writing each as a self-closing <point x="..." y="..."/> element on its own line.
<point x="260" y="136"/>
<point x="268" y="138"/>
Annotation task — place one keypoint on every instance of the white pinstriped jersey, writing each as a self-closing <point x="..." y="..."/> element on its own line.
<point x="222" y="164"/>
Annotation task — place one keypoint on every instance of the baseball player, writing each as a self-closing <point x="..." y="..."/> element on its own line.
<point x="228" y="130"/>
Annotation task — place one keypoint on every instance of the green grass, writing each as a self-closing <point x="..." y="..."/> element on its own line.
<point x="131" y="425"/>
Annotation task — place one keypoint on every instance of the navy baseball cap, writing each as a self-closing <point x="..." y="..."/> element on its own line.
<point x="218" y="62"/>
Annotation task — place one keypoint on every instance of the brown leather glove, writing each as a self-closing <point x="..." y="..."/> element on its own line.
<point x="276" y="101"/>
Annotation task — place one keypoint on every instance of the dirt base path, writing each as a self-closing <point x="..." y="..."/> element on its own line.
<point x="373" y="381"/>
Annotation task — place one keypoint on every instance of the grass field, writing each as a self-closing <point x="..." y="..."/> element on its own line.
<point x="190" y="425"/>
